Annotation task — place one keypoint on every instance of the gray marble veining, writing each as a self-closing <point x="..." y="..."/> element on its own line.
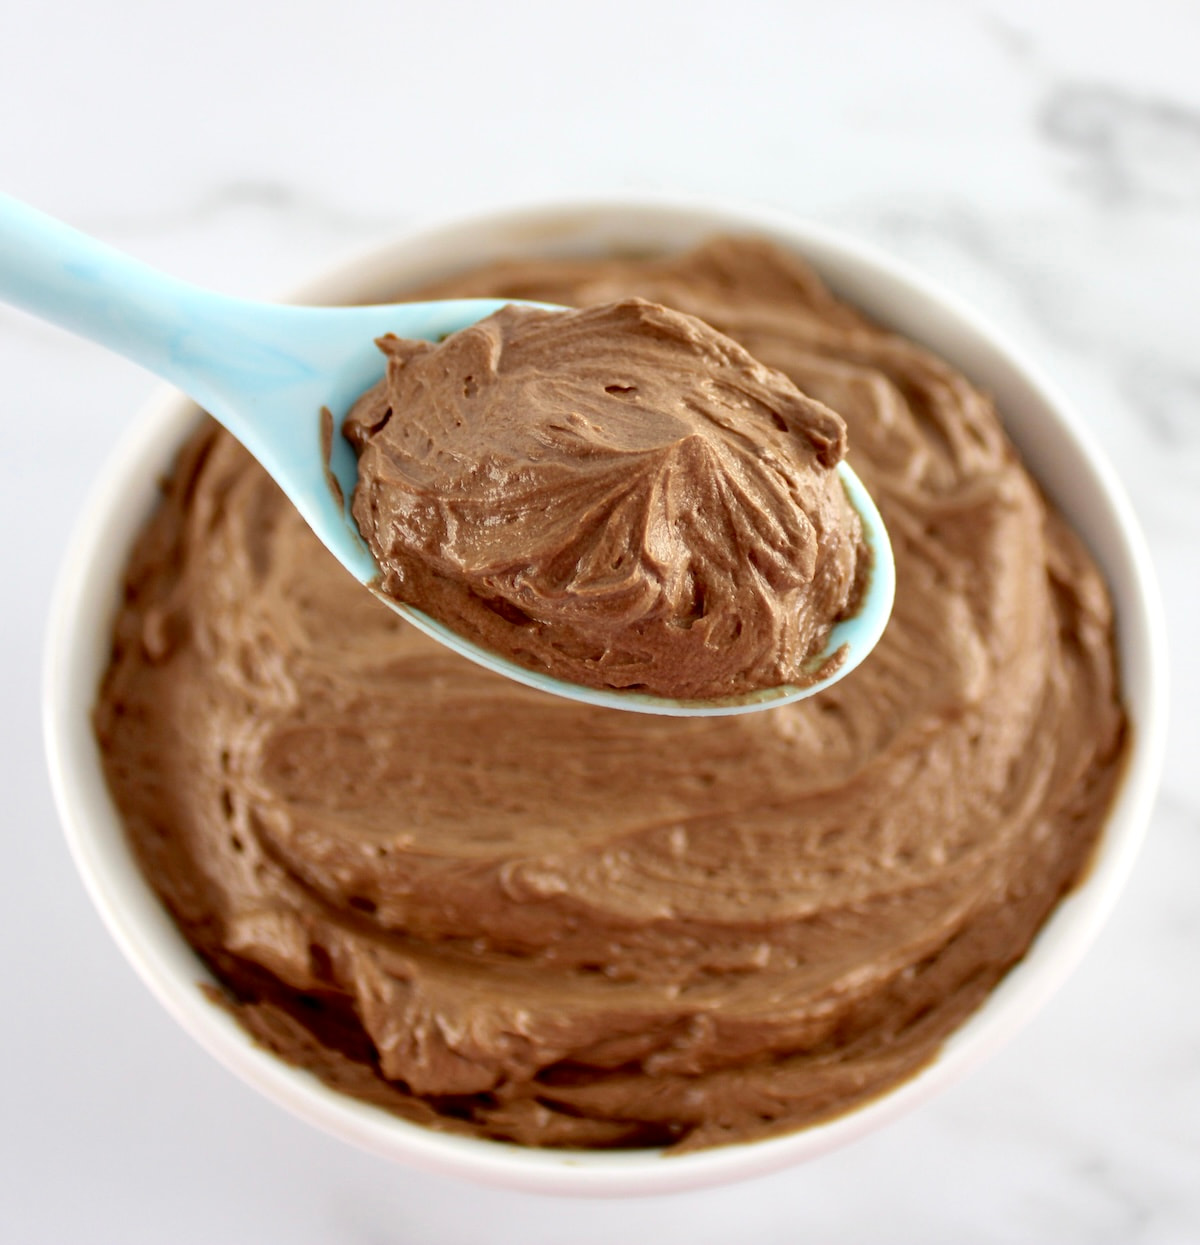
<point x="1124" y="150"/>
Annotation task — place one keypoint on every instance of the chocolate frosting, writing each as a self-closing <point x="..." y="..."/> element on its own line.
<point x="619" y="497"/>
<point x="506" y="914"/>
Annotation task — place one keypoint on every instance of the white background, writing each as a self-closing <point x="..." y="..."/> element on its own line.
<point x="1039" y="159"/>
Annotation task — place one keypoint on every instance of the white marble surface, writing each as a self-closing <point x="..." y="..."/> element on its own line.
<point x="1038" y="159"/>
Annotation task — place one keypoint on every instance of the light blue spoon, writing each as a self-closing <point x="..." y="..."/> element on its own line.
<point x="265" y="371"/>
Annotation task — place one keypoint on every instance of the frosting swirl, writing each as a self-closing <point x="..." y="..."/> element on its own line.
<point x="619" y="496"/>
<point x="511" y="915"/>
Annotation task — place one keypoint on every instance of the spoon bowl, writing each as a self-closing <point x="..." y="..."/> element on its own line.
<point x="269" y="373"/>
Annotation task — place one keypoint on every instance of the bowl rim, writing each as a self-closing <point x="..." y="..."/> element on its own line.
<point x="120" y="501"/>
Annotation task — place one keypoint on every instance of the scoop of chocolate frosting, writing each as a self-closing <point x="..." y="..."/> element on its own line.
<point x="620" y="496"/>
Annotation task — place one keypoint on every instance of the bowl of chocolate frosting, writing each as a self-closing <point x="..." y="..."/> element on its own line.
<point x="527" y="941"/>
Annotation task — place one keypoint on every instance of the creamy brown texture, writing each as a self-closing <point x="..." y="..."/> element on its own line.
<point x="620" y="497"/>
<point x="506" y="914"/>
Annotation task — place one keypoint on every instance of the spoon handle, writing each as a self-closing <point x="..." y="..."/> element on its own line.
<point x="176" y="330"/>
<point x="251" y="364"/>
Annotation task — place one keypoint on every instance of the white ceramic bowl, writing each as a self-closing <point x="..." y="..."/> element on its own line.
<point x="1053" y="443"/>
